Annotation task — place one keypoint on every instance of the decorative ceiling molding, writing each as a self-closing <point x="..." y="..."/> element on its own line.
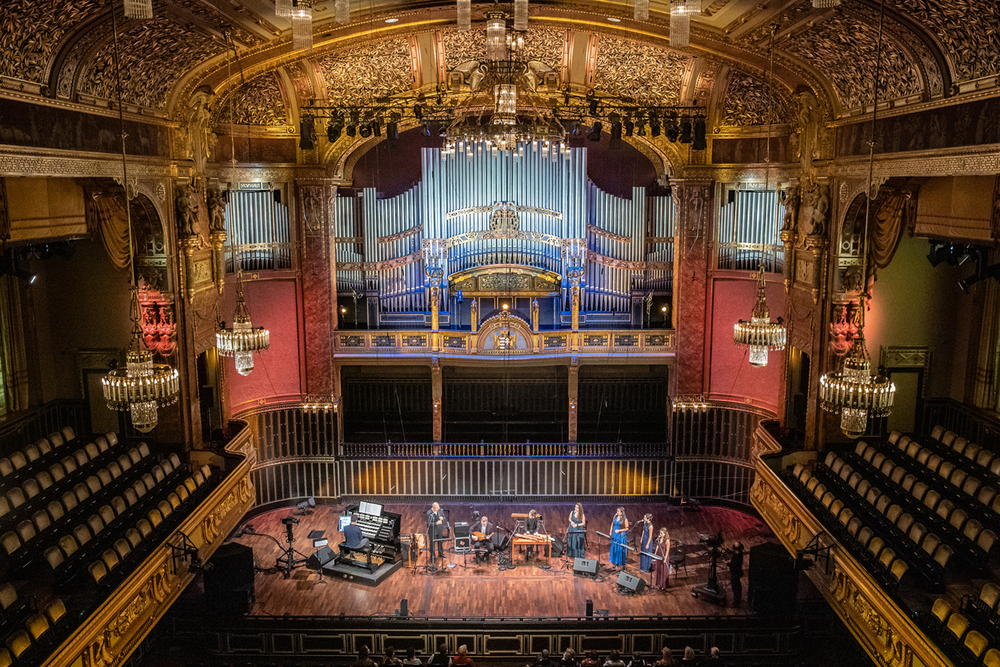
<point x="843" y="49"/>
<point x="368" y="71"/>
<point x="746" y="102"/>
<point x="257" y="102"/>
<point x="32" y="30"/>
<point x="641" y="71"/>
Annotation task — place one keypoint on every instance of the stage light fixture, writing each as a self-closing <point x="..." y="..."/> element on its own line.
<point x="377" y="127"/>
<point x="365" y="130"/>
<point x="334" y="130"/>
<point x="629" y="128"/>
<point x="595" y="133"/>
<point x="418" y="111"/>
<point x="352" y="130"/>
<point x="592" y="106"/>
<point x="654" y="127"/>
<point x="307" y="134"/>
<point x="616" y="135"/>
<point x="700" y="140"/>
<point x="686" y="134"/>
<point x="673" y="130"/>
<point x="392" y="130"/>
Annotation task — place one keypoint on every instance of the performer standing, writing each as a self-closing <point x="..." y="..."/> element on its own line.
<point x="646" y="544"/>
<point x="661" y="568"/>
<point x="736" y="573"/>
<point x="435" y="529"/>
<point x="484" y="546"/>
<point x="575" y="534"/>
<point x="619" y="526"/>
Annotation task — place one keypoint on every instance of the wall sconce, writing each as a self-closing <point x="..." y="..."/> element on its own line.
<point x="690" y="403"/>
<point x="320" y="403"/>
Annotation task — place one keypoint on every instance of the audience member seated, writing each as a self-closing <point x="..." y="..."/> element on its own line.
<point x="568" y="659"/>
<point x="389" y="658"/>
<point x="544" y="659"/>
<point x="666" y="658"/>
<point x="637" y="660"/>
<point x="463" y="659"/>
<point x="364" y="660"/>
<point x="615" y="660"/>
<point x="689" y="656"/>
<point x="591" y="660"/>
<point x="411" y="659"/>
<point x="441" y="658"/>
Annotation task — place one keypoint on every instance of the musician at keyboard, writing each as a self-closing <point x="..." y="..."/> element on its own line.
<point x="353" y="537"/>
<point x="483" y="534"/>
<point x="531" y="528"/>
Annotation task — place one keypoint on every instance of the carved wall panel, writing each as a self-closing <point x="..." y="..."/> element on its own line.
<point x="31" y="31"/>
<point x="648" y="74"/>
<point x="542" y="44"/>
<point x="968" y="32"/>
<point x="844" y="48"/>
<point x="257" y="102"/>
<point x="374" y="70"/>
<point x="159" y="52"/>
<point x="747" y="99"/>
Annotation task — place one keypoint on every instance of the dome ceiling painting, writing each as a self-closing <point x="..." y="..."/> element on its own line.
<point x="932" y="49"/>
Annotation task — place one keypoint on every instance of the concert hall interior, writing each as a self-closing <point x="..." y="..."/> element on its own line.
<point x="329" y="327"/>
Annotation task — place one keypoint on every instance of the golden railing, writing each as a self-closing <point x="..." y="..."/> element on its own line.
<point x="484" y="343"/>
<point x="110" y="634"/>
<point x="884" y="630"/>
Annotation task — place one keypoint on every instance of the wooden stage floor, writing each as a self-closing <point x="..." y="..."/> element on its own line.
<point x="483" y="591"/>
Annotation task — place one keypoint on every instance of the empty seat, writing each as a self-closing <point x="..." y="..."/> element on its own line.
<point x="81" y="458"/>
<point x="148" y="480"/>
<point x="44" y="447"/>
<point x="38" y="626"/>
<point x="913" y="449"/>
<point x="134" y="538"/>
<point x="957" y="478"/>
<point x="5" y="508"/>
<point x="885" y="558"/>
<point x="139" y="488"/>
<point x="971" y="486"/>
<point x="897" y="475"/>
<point x="15" y="497"/>
<point x="134" y="455"/>
<point x="8" y="596"/>
<point x="102" y="443"/>
<point x="175" y="461"/>
<point x="984" y="459"/>
<point x="181" y="492"/>
<point x="853" y="526"/>
<point x="19" y="644"/>
<point x="933" y="463"/>
<point x="81" y="491"/>
<point x="942" y="556"/>
<point x="882" y="504"/>
<point x="94" y="484"/>
<point x="199" y="477"/>
<point x="112" y="437"/>
<point x="57" y="439"/>
<point x="992" y="658"/>
<point x="985" y="542"/>
<point x="144" y="527"/>
<point x="31" y="488"/>
<point x="205" y="470"/>
<point x="931" y="499"/>
<point x="158" y="474"/>
<point x="923" y="455"/>
<point x="82" y="534"/>
<point x="894" y="437"/>
<point x="956" y="626"/>
<point x="907" y="483"/>
<point x="864" y="537"/>
<point x="930" y="543"/>
<point x="975" y="644"/>
<point x="95" y="525"/>
<point x="67" y="434"/>
<point x="986" y="495"/>
<point x="869" y="453"/>
<point x="872" y="496"/>
<point x="18" y="460"/>
<point x="875" y="548"/>
<point x="125" y="462"/>
<point x="972" y="452"/>
<point x="69" y="501"/>
<point x="131" y="498"/>
<point x="878" y="460"/>
<point x="10" y="542"/>
<point x="55" y="510"/>
<point x="92" y="451"/>
<point x="835" y="507"/>
<point x="958" y="445"/>
<point x="937" y="432"/>
<point x="107" y="515"/>
<point x="897" y="571"/>
<point x="945" y="469"/>
<point x="944" y="509"/>
<point x="31" y="453"/>
<point x="948" y="438"/>
<point x="986" y="604"/>
<point x="41" y="520"/>
<point x="143" y="449"/>
<point x="69" y="465"/>
<point x="44" y="480"/>
<point x="919" y="491"/>
<point x="54" y="557"/>
<point x="859" y="449"/>
<point x="97" y="572"/>
<point x="57" y="471"/>
<point x="192" y="486"/>
<point x="26" y="531"/>
<point x="123" y="549"/>
<point x="115" y="470"/>
<point x="118" y="505"/>
<point x="55" y="611"/>
<point x="941" y="611"/>
<point x="894" y="513"/>
<point x="165" y="508"/>
<point x="995" y="466"/>
<point x="110" y="560"/>
<point x="155" y="518"/>
<point x="854" y="480"/>
<point x="957" y="520"/>
<point x="887" y="468"/>
<point x="68" y="546"/>
<point x="104" y="475"/>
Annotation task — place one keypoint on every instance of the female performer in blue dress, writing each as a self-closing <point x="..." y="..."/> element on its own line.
<point x="619" y="528"/>
<point x="646" y="544"/>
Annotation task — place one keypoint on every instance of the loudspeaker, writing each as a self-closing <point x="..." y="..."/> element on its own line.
<point x="229" y="581"/>
<point x="631" y="583"/>
<point x="320" y="558"/>
<point x="403" y="610"/>
<point x="590" y="608"/>
<point x="773" y="580"/>
<point x="462" y="529"/>
<point x="463" y="542"/>
<point x="584" y="566"/>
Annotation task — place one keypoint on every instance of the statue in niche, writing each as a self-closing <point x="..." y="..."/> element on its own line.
<point x="843" y="329"/>
<point x="696" y="205"/>
<point x="199" y="131"/>
<point x="312" y="208"/>
<point x="187" y="208"/>
<point x="216" y="210"/>
<point x="808" y="117"/>
<point x="850" y="279"/>
<point x="819" y="198"/>
<point x="791" y="204"/>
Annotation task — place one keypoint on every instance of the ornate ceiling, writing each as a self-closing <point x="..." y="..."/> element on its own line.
<point x="932" y="49"/>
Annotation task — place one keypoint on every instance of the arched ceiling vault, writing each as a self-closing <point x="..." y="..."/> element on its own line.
<point x="932" y="49"/>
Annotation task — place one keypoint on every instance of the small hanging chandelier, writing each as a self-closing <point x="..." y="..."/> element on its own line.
<point x="143" y="387"/>
<point x="680" y="20"/>
<point x="243" y="339"/>
<point x="854" y="392"/>
<point x="139" y="9"/>
<point x="302" y="28"/>
<point x="760" y="334"/>
<point x="640" y="12"/>
<point x="283" y="8"/>
<point x="825" y="4"/>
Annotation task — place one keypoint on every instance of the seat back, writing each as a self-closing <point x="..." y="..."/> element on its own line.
<point x="908" y="483"/>
<point x="985" y="541"/>
<point x="945" y="469"/>
<point x="957" y="626"/>
<point x="948" y="438"/>
<point x="992" y="658"/>
<point x="971" y="486"/>
<point x="82" y="534"/>
<point x="898" y="570"/>
<point x="933" y="463"/>
<point x="941" y="610"/>
<point x="37" y="626"/>
<point x="942" y="555"/>
<point x="919" y="491"/>
<point x="864" y="537"/>
<point x="882" y="504"/>
<point x="975" y="643"/>
<point x="913" y="450"/>
<point x="930" y="544"/>
<point x="923" y="455"/>
<point x="937" y="432"/>
<point x="984" y="459"/>
<point x="931" y="499"/>
<point x="959" y="444"/>
<point x="67" y="544"/>
<point x="893" y="513"/>
<point x="986" y="495"/>
<point x="55" y="611"/>
<point x="898" y="474"/>
<point x="886" y="557"/>
<point x="972" y="452"/>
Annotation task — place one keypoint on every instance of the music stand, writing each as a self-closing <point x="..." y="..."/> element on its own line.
<point x="608" y="538"/>
<point x="288" y="559"/>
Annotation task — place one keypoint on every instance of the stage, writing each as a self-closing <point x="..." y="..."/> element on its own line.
<point x="467" y="590"/>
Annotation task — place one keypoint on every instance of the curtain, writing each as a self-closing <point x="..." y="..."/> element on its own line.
<point x="884" y="234"/>
<point x="112" y="227"/>
<point x="13" y="360"/>
<point x="984" y="376"/>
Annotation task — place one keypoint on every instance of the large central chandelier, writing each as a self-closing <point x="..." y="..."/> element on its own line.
<point x="760" y="335"/>
<point x="854" y="392"/>
<point x="143" y="387"/>
<point x="243" y="339"/>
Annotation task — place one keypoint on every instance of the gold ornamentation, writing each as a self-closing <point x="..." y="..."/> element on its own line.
<point x="970" y="37"/>
<point x="257" y="102"/>
<point x="594" y="229"/>
<point x="364" y="73"/>
<point x="643" y="72"/>
<point x="34" y="29"/>
<point x="406" y="233"/>
<point x="747" y="99"/>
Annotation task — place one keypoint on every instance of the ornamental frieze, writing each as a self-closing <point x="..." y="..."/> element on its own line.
<point x="648" y="74"/>
<point x="594" y="229"/>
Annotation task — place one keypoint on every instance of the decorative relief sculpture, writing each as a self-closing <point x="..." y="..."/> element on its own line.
<point x="312" y="207"/>
<point x="216" y="210"/>
<point x="843" y="329"/>
<point x="187" y="203"/>
<point x="641" y="71"/>
<point x="198" y="117"/>
<point x="791" y="205"/>
<point x="807" y="115"/>
<point x="819" y="201"/>
<point x="747" y="100"/>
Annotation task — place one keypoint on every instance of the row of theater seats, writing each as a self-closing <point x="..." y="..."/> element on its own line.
<point x="37" y="635"/>
<point x="27" y="461"/>
<point x="873" y="551"/>
<point x="932" y="500"/>
<point x="967" y="638"/>
<point x="105" y="494"/>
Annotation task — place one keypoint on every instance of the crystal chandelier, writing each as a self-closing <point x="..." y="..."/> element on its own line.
<point x="680" y="20"/>
<point x="640" y="12"/>
<point x="825" y="4"/>
<point x="143" y="387"/>
<point x="301" y="15"/>
<point x="243" y="339"/>
<point x="760" y="334"/>
<point x="854" y="391"/>
<point x="283" y="8"/>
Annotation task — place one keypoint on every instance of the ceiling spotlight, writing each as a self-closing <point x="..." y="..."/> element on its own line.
<point x="352" y="130"/>
<point x="629" y="128"/>
<point x="365" y="130"/>
<point x="654" y="127"/>
<point x="686" y="137"/>
<point x="592" y="106"/>
<point x="333" y="130"/>
<point x="418" y="111"/>
<point x="700" y="141"/>
<point x="673" y="130"/>
<point x="616" y="135"/>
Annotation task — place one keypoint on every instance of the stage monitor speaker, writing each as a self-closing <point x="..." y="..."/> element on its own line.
<point x="320" y="558"/>
<point x="584" y="566"/>
<point x="229" y="579"/>
<point x="773" y="580"/>
<point x="463" y="542"/>
<point x="462" y="529"/>
<point x="557" y="546"/>
<point x="631" y="583"/>
<point x="404" y="609"/>
<point x="590" y="608"/>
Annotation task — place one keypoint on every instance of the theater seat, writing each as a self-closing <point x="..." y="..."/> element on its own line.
<point x="975" y="645"/>
<point x="6" y="659"/>
<point x="37" y="626"/>
<point x="55" y="611"/>
<point x="19" y="644"/>
<point x="992" y="658"/>
<point x="956" y="628"/>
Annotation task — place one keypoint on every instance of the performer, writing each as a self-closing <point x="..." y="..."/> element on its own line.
<point x="576" y="533"/>
<point x="646" y="544"/>
<point x="485" y="545"/>
<point x="661" y="568"/>
<point x="736" y="573"/>
<point x="435" y="529"/>
<point x="531" y="528"/>
<point x="619" y="526"/>
<point x="352" y="535"/>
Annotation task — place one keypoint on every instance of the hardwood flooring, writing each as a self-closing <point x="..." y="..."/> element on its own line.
<point x="468" y="590"/>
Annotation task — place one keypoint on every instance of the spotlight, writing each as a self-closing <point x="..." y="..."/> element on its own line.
<point x="333" y="130"/>
<point x="418" y="111"/>
<point x="616" y="135"/>
<point x="673" y="130"/>
<point x="593" y="106"/>
<point x="306" y="506"/>
<point x="595" y="134"/>
<point x="352" y="130"/>
<point x="307" y="134"/>
<point x="365" y="130"/>
<point x="686" y="131"/>
<point x="377" y="127"/>
<point x="654" y="127"/>
<point x="391" y="131"/>
<point x="700" y="142"/>
<point x="629" y="128"/>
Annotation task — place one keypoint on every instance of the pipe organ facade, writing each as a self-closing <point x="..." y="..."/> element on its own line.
<point x="483" y="233"/>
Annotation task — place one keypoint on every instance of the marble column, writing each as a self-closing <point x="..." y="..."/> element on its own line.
<point x="694" y="221"/>
<point x="319" y="306"/>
